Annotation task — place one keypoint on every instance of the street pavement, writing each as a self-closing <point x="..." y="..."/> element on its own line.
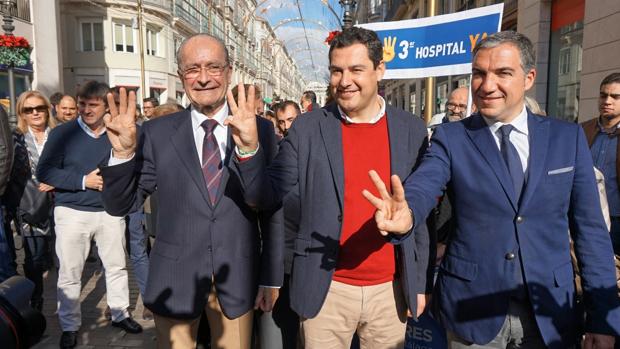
<point x="96" y="331"/>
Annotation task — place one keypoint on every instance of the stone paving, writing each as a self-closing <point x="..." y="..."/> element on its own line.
<point x="96" y="331"/>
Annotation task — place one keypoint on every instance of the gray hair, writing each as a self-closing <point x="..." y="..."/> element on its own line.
<point x="203" y="35"/>
<point x="518" y="40"/>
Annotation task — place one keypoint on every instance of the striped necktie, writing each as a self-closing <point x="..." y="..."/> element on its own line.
<point x="211" y="159"/>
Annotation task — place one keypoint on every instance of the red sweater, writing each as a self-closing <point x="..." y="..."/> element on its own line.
<point x="365" y="257"/>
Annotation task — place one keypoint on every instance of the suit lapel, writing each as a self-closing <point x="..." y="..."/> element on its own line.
<point x="183" y="141"/>
<point x="482" y="138"/>
<point x="398" y="132"/>
<point x="331" y="132"/>
<point x="538" y="129"/>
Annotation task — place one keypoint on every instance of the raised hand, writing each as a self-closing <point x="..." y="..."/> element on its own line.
<point x="243" y="119"/>
<point x="393" y="214"/>
<point x="389" y="44"/>
<point x="120" y="123"/>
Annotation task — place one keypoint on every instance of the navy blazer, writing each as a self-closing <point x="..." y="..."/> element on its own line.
<point x="196" y="239"/>
<point x="478" y="275"/>
<point x="310" y="157"/>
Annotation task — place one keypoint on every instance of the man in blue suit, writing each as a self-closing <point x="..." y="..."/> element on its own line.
<point x="520" y="183"/>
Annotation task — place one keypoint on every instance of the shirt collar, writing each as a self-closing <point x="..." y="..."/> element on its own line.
<point x="374" y="120"/>
<point x="198" y="117"/>
<point x="47" y="131"/>
<point x="519" y="123"/>
<point x="87" y="129"/>
<point x="603" y="129"/>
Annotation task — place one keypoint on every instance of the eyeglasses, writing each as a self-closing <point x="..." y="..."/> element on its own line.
<point x="194" y="72"/>
<point x="452" y="106"/>
<point x="38" y="108"/>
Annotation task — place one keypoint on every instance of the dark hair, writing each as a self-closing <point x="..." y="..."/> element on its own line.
<point x="288" y="103"/>
<point x="151" y="100"/>
<point x="204" y="35"/>
<point x="520" y="41"/>
<point x="94" y="89"/>
<point x="56" y="97"/>
<point x="613" y="78"/>
<point x="309" y="96"/>
<point x="356" y="35"/>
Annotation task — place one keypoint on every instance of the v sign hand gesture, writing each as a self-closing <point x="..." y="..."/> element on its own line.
<point x="120" y="123"/>
<point x="243" y="119"/>
<point x="393" y="214"/>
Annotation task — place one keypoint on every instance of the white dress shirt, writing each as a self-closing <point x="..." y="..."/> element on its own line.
<point x="519" y="135"/>
<point x="374" y="120"/>
<point x="220" y="132"/>
<point x="42" y="144"/>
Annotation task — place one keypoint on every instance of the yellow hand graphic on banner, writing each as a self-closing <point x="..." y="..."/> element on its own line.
<point x="388" y="48"/>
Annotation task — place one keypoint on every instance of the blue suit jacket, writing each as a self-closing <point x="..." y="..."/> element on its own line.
<point x="310" y="157"/>
<point x="196" y="239"/>
<point x="476" y="278"/>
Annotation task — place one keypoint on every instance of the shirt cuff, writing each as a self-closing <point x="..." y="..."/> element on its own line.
<point x="116" y="161"/>
<point x="84" y="183"/>
<point x="245" y="156"/>
<point x="263" y="286"/>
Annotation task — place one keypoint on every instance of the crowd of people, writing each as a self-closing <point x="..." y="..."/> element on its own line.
<point x="286" y="225"/>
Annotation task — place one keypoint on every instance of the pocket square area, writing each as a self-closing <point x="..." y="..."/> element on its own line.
<point x="560" y="170"/>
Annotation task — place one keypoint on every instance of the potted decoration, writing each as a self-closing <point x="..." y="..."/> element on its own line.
<point x="14" y="51"/>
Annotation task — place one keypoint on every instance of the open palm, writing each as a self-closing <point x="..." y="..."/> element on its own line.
<point x="243" y="118"/>
<point x="120" y="123"/>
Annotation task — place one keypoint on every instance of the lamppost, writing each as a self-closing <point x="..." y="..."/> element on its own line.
<point x="347" y="17"/>
<point x="8" y="27"/>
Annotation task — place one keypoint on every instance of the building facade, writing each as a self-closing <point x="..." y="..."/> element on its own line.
<point x="576" y="43"/>
<point x="79" y="40"/>
<point x="101" y="41"/>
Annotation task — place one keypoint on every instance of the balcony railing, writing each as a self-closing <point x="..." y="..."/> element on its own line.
<point x="21" y="11"/>
<point x="160" y="3"/>
<point x="187" y="12"/>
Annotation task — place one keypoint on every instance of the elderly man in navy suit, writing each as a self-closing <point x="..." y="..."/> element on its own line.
<point x="520" y="183"/>
<point x="209" y="252"/>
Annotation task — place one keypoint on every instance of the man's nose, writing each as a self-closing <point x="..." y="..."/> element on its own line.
<point x="488" y="84"/>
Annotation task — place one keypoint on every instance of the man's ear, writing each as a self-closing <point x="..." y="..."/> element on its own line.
<point x="380" y="70"/>
<point x="530" y="78"/>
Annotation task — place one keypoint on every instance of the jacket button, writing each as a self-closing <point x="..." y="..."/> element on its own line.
<point x="509" y="256"/>
<point x="520" y="219"/>
<point x="339" y="218"/>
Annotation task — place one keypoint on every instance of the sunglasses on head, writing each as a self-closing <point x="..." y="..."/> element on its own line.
<point x="38" y="108"/>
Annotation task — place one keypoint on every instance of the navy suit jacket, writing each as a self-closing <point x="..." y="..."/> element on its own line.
<point x="196" y="239"/>
<point x="310" y="159"/>
<point x="477" y="275"/>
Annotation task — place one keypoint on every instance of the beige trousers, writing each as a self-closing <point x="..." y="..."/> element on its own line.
<point x="377" y="313"/>
<point x="225" y="333"/>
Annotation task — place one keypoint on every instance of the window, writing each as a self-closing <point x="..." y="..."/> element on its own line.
<point x="564" y="65"/>
<point x="91" y="34"/>
<point x="152" y="42"/>
<point x="177" y="44"/>
<point x="123" y="38"/>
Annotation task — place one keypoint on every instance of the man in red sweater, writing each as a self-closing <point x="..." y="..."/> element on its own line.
<point x="347" y="275"/>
